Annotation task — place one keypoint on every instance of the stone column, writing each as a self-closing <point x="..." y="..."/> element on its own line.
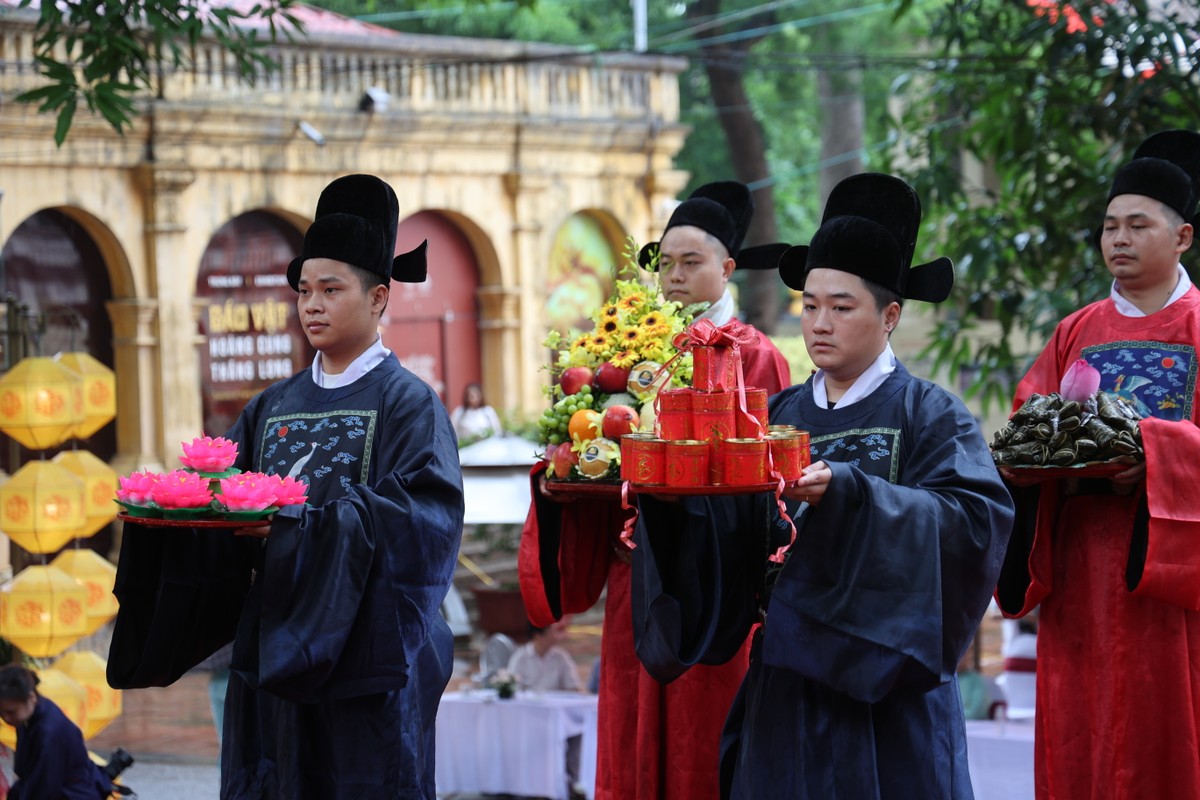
<point x="528" y="254"/>
<point x="139" y="406"/>
<point x="167" y="261"/>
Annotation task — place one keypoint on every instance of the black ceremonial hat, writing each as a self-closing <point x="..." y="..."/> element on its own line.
<point x="356" y="221"/>
<point x="1165" y="167"/>
<point x="870" y="229"/>
<point x="722" y="208"/>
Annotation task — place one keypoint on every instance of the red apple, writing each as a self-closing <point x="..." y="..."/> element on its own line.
<point x="611" y="378"/>
<point x="562" y="460"/>
<point x="618" y="421"/>
<point x="574" y="379"/>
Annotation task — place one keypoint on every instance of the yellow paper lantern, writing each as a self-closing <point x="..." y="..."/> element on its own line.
<point x="66" y="693"/>
<point x="43" y="611"/>
<point x="98" y="391"/>
<point x="97" y="577"/>
<point x="103" y="702"/>
<point x="99" y="488"/>
<point x="42" y="506"/>
<point x="38" y="404"/>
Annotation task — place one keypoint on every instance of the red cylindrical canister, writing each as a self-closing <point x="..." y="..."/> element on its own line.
<point x="785" y="454"/>
<point x="712" y="416"/>
<point x="805" y="449"/>
<point x="643" y="459"/>
<point x="780" y="428"/>
<point x="686" y="463"/>
<point x="745" y="461"/>
<point x="675" y="414"/>
<point x="756" y="406"/>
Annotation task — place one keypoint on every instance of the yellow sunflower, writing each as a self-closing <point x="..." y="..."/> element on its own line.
<point x="598" y="345"/>
<point x="626" y="358"/>
<point x="631" y="302"/>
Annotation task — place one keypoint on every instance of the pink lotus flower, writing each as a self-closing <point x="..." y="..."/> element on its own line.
<point x="290" y="492"/>
<point x="182" y="489"/>
<point x="206" y="454"/>
<point x="1081" y="381"/>
<point x="138" y="488"/>
<point x="249" y="491"/>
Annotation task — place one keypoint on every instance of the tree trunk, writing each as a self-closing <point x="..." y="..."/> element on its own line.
<point x="840" y="100"/>
<point x="760" y="299"/>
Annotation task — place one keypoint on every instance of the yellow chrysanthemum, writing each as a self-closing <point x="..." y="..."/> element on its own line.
<point x="610" y="327"/>
<point x="610" y="311"/>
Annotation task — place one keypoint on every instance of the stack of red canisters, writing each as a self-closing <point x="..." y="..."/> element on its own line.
<point x="710" y="436"/>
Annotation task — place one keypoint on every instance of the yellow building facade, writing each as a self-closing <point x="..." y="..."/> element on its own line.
<point x="526" y="166"/>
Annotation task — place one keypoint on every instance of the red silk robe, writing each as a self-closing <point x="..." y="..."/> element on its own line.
<point x="1118" y="575"/>
<point x="655" y="741"/>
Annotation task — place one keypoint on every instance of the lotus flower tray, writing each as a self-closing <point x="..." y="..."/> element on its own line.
<point x="261" y="521"/>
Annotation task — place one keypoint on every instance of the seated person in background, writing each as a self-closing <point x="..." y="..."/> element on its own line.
<point x="475" y="419"/>
<point x="51" y="761"/>
<point x="544" y="665"/>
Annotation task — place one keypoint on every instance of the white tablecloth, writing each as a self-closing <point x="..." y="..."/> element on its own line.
<point x="517" y="746"/>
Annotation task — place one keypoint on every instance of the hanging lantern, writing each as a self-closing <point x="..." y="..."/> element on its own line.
<point x="64" y="691"/>
<point x="43" y="611"/>
<point x="42" y="506"/>
<point x="99" y="488"/>
<point x="38" y="406"/>
<point x="97" y="577"/>
<point x="98" y="391"/>
<point x="103" y="702"/>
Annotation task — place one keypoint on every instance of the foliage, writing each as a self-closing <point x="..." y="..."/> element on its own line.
<point x="103" y="53"/>
<point x="1052" y="99"/>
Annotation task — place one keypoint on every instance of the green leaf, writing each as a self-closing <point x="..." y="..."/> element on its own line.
<point x="65" y="115"/>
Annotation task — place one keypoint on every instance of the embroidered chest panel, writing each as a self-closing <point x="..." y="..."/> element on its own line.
<point x="873" y="450"/>
<point x="332" y="448"/>
<point x="1159" y="378"/>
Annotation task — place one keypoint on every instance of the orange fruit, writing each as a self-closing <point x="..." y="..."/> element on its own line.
<point x="584" y="425"/>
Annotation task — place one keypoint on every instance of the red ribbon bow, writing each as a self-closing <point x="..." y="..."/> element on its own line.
<point x="703" y="333"/>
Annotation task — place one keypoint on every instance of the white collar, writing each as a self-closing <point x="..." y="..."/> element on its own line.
<point x="372" y="357"/>
<point x="1128" y="309"/>
<point x="719" y="312"/>
<point x="871" y="379"/>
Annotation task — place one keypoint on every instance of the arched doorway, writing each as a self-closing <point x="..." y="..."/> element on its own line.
<point x="52" y="267"/>
<point x="253" y="336"/>
<point x="433" y="327"/>
<point x="582" y="268"/>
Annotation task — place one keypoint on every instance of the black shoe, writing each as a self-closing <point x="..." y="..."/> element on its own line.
<point x="118" y="762"/>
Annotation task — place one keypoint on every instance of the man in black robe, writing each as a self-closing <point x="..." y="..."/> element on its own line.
<point x="340" y="653"/>
<point x="900" y="531"/>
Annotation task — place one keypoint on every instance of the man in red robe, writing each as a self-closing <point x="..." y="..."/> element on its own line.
<point x="1115" y="562"/>
<point x="655" y="741"/>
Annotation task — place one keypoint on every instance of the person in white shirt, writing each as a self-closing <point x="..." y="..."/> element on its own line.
<point x="475" y="419"/>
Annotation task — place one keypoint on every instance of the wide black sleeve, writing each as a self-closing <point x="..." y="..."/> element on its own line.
<point x="180" y="592"/>
<point x="697" y="573"/>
